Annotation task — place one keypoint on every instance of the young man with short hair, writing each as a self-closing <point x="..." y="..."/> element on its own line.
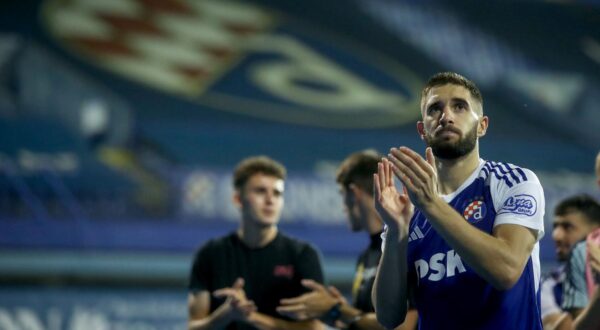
<point x="238" y="280"/>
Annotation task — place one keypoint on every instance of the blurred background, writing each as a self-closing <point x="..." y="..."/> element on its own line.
<point x="121" y="121"/>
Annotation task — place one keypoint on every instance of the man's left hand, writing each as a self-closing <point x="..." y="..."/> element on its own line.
<point x="418" y="175"/>
<point x="313" y="304"/>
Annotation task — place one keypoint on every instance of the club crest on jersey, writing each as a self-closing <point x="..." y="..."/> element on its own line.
<point x="475" y="211"/>
<point x="520" y="204"/>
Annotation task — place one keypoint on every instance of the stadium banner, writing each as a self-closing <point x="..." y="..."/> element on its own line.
<point x="122" y="120"/>
<point x="89" y="308"/>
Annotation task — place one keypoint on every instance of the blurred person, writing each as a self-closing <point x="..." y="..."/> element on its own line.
<point x="573" y="220"/>
<point x="590" y="316"/>
<point x="462" y="238"/>
<point x="238" y="280"/>
<point x="589" y="319"/>
<point x="576" y="291"/>
<point x="355" y="179"/>
<point x="597" y="168"/>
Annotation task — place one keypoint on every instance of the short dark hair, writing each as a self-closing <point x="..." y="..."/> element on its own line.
<point x="358" y="168"/>
<point x="257" y="164"/>
<point x="586" y="204"/>
<point x="452" y="78"/>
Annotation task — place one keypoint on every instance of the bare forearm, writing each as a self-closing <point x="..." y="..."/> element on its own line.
<point x="562" y="321"/>
<point x="390" y="287"/>
<point x="492" y="258"/>
<point x="266" y="322"/>
<point x="216" y="320"/>
<point x="367" y="322"/>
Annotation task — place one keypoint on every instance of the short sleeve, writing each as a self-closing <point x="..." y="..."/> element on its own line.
<point x="575" y="289"/>
<point x="309" y="264"/>
<point x="520" y="201"/>
<point x="200" y="272"/>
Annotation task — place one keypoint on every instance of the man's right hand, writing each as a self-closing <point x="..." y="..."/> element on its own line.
<point x="237" y="307"/>
<point x="394" y="208"/>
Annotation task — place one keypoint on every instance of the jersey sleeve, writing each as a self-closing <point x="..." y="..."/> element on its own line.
<point x="309" y="264"/>
<point x="575" y="289"/>
<point x="519" y="199"/>
<point x="200" y="272"/>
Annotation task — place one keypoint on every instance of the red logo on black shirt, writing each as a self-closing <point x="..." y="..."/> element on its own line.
<point x="284" y="271"/>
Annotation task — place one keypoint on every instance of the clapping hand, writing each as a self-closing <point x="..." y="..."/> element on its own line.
<point x="394" y="208"/>
<point x="313" y="304"/>
<point x="236" y="305"/>
<point x="418" y="175"/>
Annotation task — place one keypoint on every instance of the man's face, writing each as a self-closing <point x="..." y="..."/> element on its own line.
<point x="452" y="121"/>
<point x="261" y="199"/>
<point x="352" y="209"/>
<point x="568" y="230"/>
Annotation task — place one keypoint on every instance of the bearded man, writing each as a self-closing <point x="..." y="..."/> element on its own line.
<point x="461" y="241"/>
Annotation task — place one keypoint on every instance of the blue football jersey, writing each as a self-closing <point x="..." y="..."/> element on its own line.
<point x="447" y="292"/>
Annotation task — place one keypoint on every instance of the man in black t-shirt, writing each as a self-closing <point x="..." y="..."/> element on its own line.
<point x="355" y="177"/>
<point x="238" y="280"/>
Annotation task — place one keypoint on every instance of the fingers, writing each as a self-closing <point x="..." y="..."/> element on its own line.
<point x="294" y="301"/>
<point x="238" y="284"/>
<point x="388" y="172"/>
<point x="296" y="308"/>
<point x="308" y="283"/>
<point x="430" y="157"/>
<point x="408" y="165"/>
<point x="376" y="186"/>
<point x="593" y="255"/>
<point x="244" y="307"/>
<point x="296" y="312"/>
<point x="234" y="291"/>
<point x="401" y="174"/>
<point x="225" y="292"/>
<point x="417" y="174"/>
<point x="382" y="174"/>
<point x="421" y="163"/>
<point x="242" y="304"/>
<point x="335" y="292"/>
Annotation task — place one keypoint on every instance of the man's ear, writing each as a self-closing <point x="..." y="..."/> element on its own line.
<point x="354" y="190"/>
<point x="421" y="129"/>
<point x="482" y="126"/>
<point x="236" y="198"/>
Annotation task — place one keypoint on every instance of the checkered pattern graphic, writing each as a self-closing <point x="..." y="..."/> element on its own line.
<point x="179" y="46"/>
<point x="474" y="206"/>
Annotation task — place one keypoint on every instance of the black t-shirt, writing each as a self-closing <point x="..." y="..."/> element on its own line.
<point x="270" y="273"/>
<point x="366" y="268"/>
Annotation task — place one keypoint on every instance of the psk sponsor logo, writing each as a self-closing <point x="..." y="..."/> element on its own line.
<point x="520" y="204"/>
<point x="239" y="57"/>
<point x="440" y="266"/>
<point x="475" y="211"/>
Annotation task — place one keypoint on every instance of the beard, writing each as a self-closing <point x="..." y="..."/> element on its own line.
<point x="453" y="150"/>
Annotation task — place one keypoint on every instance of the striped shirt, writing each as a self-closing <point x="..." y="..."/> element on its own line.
<point x="575" y="287"/>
